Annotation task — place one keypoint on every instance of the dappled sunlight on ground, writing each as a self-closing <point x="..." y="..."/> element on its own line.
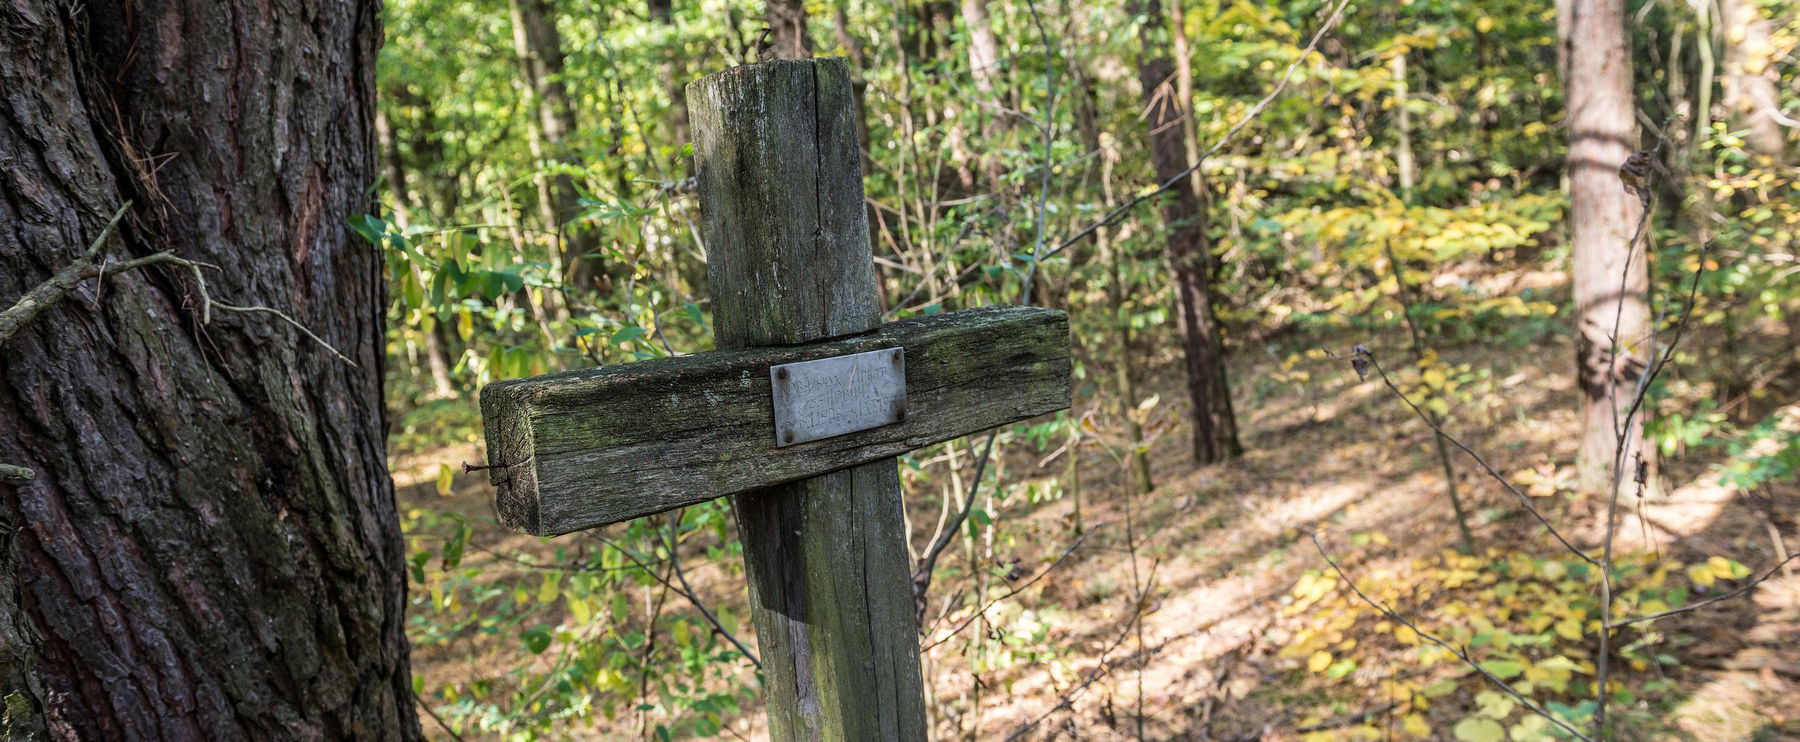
<point x="1226" y="545"/>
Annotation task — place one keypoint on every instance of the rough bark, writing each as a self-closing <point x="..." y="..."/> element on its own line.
<point x="539" y="47"/>
<point x="1611" y="278"/>
<point x="210" y="548"/>
<point x="1190" y="255"/>
<point x="1750" y="76"/>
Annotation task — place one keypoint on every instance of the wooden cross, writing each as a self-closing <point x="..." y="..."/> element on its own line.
<point x="799" y="415"/>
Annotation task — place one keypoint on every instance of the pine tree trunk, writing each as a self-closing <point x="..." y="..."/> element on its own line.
<point x="1611" y="278"/>
<point x="210" y="548"/>
<point x="1190" y="257"/>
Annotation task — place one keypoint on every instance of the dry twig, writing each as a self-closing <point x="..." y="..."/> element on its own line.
<point x="1459" y="652"/>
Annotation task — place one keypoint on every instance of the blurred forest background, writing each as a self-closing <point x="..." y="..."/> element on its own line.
<point x="1390" y="175"/>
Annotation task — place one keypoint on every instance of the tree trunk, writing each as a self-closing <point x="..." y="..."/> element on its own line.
<point x="1403" y="152"/>
<point x="1611" y="278"/>
<point x="1190" y="257"/>
<point x="788" y="38"/>
<point x="210" y="549"/>
<point x="394" y="172"/>
<point x="539" y="46"/>
<point x="1749" y="78"/>
<point x="984" y="49"/>
<point x="674" y="84"/>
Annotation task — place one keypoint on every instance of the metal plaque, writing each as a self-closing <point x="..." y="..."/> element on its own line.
<point x="834" y="396"/>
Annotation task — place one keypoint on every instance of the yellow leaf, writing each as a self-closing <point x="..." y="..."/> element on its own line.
<point x="1701" y="575"/>
<point x="1438" y="689"/>
<point x="1478" y="729"/>
<point x="1414" y="725"/>
<point x="1318" y="661"/>
<point x="1434" y="378"/>
<point x="1495" y="705"/>
<point x="1569" y="628"/>
<point x="579" y="609"/>
<point x="1406" y="635"/>
<point x="446" y="476"/>
<point x="1532" y="728"/>
<point x="1553" y="570"/>
<point x="1484" y="24"/>
<point x="551" y="586"/>
<point x="1720" y="567"/>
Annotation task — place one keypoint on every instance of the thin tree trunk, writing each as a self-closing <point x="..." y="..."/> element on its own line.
<point x="1611" y="278"/>
<point x="1403" y="154"/>
<point x="1190" y="257"/>
<point x="1123" y="384"/>
<point x="393" y="169"/>
<point x="1749" y="78"/>
<point x="1184" y="96"/>
<point x="788" y="37"/>
<point x="984" y="49"/>
<point x="552" y="121"/>
<point x="210" y="548"/>
<point x="394" y="172"/>
<point x="663" y="13"/>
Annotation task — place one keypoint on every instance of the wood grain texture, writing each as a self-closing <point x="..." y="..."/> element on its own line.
<point x="604" y="445"/>
<point x="788" y="259"/>
<point x="780" y="181"/>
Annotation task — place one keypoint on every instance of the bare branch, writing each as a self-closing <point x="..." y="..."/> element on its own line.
<point x="1365" y="355"/>
<point x="928" y="563"/>
<point x="1014" y="591"/>
<point x="89" y="265"/>
<point x="685" y="591"/>
<point x="1460" y="653"/>
<point x="1066" y="699"/>
<point x="1709" y="601"/>
<point x="48" y="293"/>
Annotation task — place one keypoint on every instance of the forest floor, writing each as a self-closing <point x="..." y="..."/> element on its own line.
<point x="1226" y="545"/>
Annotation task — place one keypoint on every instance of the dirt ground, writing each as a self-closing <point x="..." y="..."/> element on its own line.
<point x="1227" y="543"/>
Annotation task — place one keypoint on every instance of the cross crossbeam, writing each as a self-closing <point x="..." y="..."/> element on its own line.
<point x="581" y="449"/>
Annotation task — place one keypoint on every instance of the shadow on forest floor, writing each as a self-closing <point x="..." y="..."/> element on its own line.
<point x="1227" y="544"/>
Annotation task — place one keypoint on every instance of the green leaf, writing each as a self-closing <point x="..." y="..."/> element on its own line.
<point x="536" y="640"/>
<point x="371" y="227"/>
<point x="1503" y="669"/>
<point x="453" y="546"/>
<point x="627" y="334"/>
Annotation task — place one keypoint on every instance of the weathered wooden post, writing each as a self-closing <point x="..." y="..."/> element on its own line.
<point x="788" y="258"/>
<point x="799" y="414"/>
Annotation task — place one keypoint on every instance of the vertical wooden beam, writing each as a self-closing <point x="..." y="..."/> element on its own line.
<point x="788" y="257"/>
